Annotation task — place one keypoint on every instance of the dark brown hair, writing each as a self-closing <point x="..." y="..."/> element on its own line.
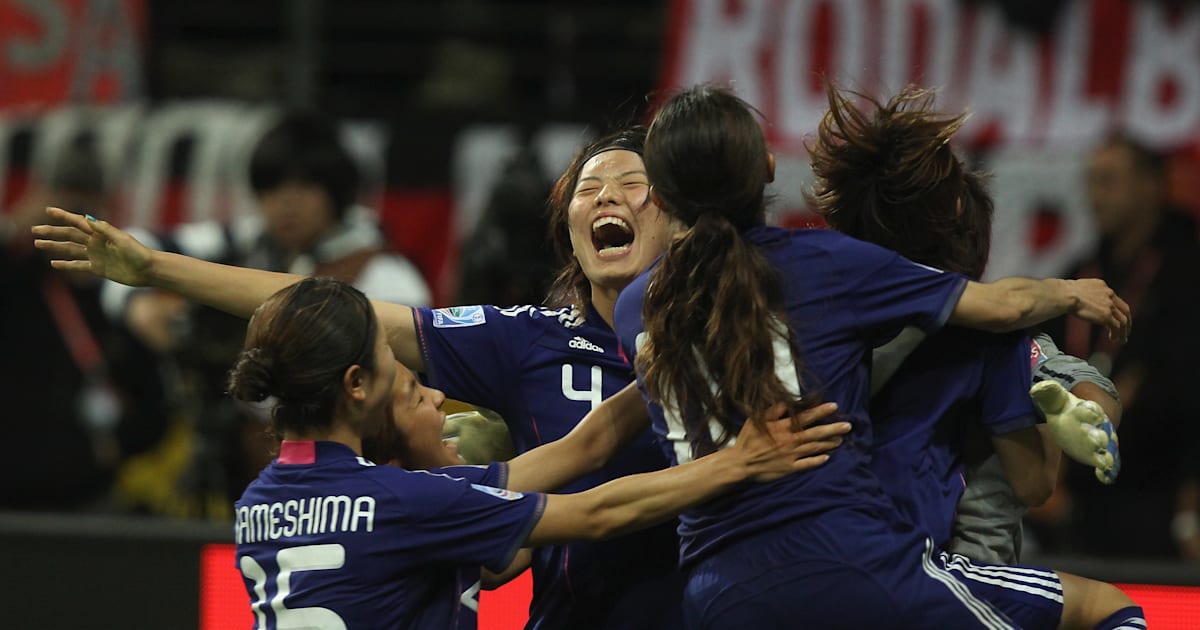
<point x="714" y="306"/>
<point x="571" y="285"/>
<point x="298" y="347"/>
<point x="888" y="175"/>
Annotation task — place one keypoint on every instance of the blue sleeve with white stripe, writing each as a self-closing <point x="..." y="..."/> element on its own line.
<point x="452" y="521"/>
<point x="469" y="353"/>
<point x="1004" y="394"/>
<point x="890" y="291"/>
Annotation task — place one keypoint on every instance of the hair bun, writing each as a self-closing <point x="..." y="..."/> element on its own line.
<point x="253" y="376"/>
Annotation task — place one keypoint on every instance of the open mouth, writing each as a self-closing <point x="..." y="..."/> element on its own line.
<point x="611" y="236"/>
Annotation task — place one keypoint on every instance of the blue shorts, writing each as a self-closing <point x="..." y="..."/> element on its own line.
<point x="1031" y="596"/>
<point x="843" y="569"/>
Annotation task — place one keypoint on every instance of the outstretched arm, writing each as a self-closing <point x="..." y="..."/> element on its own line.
<point x="1015" y="303"/>
<point x="619" y="419"/>
<point x="639" y="501"/>
<point x="601" y="433"/>
<point x="97" y="247"/>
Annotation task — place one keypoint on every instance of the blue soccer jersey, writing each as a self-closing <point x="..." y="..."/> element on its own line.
<point x="952" y="379"/>
<point x="327" y="539"/>
<point x="842" y="297"/>
<point x="825" y="547"/>
<point x="543" y="370"/>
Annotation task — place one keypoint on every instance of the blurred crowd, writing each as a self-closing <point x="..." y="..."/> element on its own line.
<point x="117" y="394"/>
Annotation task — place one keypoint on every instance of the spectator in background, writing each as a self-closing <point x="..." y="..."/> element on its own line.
<point x="507" y="259"/>
<point x="306" y="185"/>
<point x="79" y="394"/>
<point x="1148" y="253"/>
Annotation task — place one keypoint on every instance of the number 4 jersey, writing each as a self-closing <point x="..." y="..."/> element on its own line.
<point x="327" y="539"/>
<point x="543" y="370"/>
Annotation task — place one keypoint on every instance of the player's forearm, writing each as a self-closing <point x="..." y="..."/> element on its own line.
<point x="1012" y="303"/>
<point x="235" y="290"/>
<point x="1051" y="460"/>
<point x="1096" y="394"/>
<point x="587" y="448"/>
<point x="637" y="501"/>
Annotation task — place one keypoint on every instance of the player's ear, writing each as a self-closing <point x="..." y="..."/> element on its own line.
<point x="655" y="198"/>
<point x="354" y="383"/>
<point x="770" y="166"/>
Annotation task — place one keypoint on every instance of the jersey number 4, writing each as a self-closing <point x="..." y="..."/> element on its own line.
<point x="293" y="560"/>
<point x="593" y="395"/>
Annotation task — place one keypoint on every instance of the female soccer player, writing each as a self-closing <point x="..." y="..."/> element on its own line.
<point x="542" y="369"/>
<point x="325" y="538"/>
<point x="737" y="314"/>
<point x="925" y="204"/>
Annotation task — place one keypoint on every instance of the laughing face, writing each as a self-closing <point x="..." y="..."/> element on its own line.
<point x="419" y="421"/>
<point x="615" y="231"/>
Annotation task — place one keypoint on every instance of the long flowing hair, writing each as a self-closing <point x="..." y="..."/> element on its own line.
<point x="713" y="309"/>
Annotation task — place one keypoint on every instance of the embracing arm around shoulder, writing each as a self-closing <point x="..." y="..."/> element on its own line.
<point x="1014" y="303"/>
<point x="638" y="501"/>
<point x="586" y="449"/>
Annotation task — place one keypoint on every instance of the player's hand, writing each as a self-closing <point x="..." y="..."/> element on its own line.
<point x="82" y="244"/>
<point x="1099" y="304"/>
<point x="1081" y="429"/>
<point x="789" y="444"/>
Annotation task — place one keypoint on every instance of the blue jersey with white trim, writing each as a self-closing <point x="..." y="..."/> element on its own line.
<point x="543" y="370"/>
<point x="842" y="297"/>
<point x="954" y="378"/>
<point x="338" y="542"/>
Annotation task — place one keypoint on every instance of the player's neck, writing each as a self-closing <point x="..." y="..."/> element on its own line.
<point x="338" y="433"/>
<point x="604" y="301"/>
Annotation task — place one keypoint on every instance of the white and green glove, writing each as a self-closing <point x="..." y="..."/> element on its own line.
<point x="1081" y="428"/>
<point x="481" y="435"/>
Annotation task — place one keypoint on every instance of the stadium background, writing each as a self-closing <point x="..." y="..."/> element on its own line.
<point x="436" y="98"/>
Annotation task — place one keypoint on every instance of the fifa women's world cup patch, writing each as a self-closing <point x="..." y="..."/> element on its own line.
<point x="507" y="495"/>
<point x="458" y="317"/>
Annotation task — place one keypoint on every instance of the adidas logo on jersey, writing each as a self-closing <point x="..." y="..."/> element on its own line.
<point x="579" y="343"/>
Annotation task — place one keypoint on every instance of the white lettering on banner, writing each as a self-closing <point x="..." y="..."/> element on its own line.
<point x="52" y="25"/>
<point x="1065" y="89"/>
<point x="724" y="47"/>
<point x="1073" y="115"/>
<point x="900" y="19"/>
<point x="1003" y="79"/>
<point x="109" y="46"/>
<point x="799" y="109"/>
<point x="1163" y="53"/>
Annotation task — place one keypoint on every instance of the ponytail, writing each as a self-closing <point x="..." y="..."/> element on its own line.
<point x="713" y="310"/>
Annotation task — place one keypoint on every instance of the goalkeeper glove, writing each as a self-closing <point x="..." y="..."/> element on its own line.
<point x="1081" y="428"/>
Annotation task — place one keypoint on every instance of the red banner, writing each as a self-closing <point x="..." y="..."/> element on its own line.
<point x="1107" y="64"/>
<point x="55" y="52"/>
